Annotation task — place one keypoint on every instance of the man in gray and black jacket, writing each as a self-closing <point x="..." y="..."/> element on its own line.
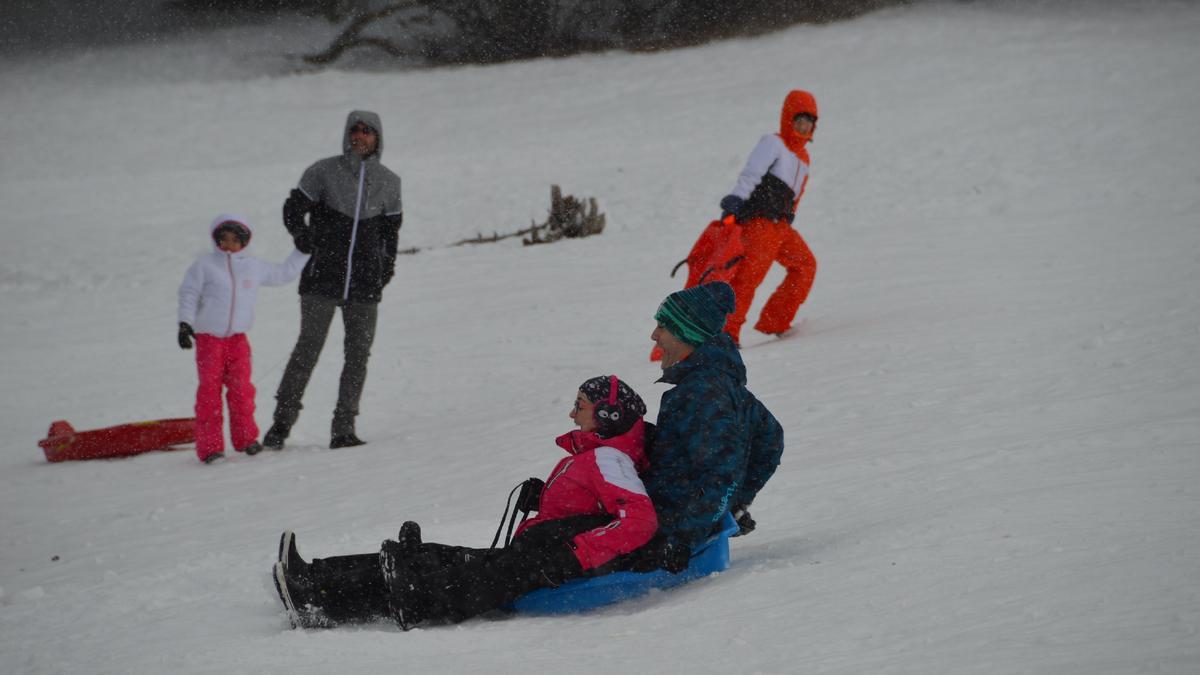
<point x="347" y="213"/>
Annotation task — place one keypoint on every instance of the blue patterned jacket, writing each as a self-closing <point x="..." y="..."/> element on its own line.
<point x="716" y="444"/>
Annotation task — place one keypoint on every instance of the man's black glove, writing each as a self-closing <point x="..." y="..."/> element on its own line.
<point x="745" y="523"/>
<point x="674" y="557"/>
<point x="185" y="335"/>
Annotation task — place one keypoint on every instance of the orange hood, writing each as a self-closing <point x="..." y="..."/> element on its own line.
<point x="797" y="101"/>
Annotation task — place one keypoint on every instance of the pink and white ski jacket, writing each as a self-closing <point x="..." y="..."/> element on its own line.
<point x="219" y="291"/>
<point x="600" y="476"/>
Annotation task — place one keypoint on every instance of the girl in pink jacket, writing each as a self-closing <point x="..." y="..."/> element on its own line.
<point x="216" y="308"/>
<point x="592" y="511"/>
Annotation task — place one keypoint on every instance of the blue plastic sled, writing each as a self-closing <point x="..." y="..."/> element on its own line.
<point x="582" y="595"/>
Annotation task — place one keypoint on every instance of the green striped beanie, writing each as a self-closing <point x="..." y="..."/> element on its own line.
<point x="696" y="314"/>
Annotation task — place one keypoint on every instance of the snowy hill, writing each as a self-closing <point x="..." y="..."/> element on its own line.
<point x="992" y="411"/>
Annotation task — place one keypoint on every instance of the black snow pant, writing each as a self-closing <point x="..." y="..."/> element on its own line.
<point x="316" y="314"/>
<point x="452" y="583"/>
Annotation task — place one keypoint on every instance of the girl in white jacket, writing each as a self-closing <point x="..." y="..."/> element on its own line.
<point x="216" y="307"/>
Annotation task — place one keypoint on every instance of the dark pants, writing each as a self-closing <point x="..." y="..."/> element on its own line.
<point x="316" y="313"/>
<point x="452" y="583"/>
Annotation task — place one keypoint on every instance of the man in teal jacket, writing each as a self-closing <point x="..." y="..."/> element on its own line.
<point x="716" y="444"/>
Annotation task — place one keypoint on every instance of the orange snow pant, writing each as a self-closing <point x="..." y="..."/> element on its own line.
<point x="769" y="241"/>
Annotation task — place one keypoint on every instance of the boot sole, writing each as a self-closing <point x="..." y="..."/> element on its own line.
<point x="286" y="540"/>
<point x="281" y="587"/>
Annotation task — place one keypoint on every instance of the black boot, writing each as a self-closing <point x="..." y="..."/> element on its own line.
<point x="406" y="598"/>
<point x="345" y="441"/>
<point x="290" y="558"/>
<point x="409" y="536"/>
<point x="275" y="437"/>
<point x="298" y="600"/>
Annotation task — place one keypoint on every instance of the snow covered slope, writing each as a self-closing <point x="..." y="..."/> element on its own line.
<point x="992" y="413"/>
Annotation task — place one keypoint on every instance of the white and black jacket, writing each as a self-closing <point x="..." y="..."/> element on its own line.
<point x="772" y="182"/>
<point x="354" y="215"/>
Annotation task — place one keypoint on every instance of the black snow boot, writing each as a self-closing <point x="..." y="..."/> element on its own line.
<point x="345" y="441"/>
<point x="409" y="536"/>
<point x="275" y="437"/>
<point x="297" y="600"/>
<point x="406" y="600"/>
<point x="290" y="558"/>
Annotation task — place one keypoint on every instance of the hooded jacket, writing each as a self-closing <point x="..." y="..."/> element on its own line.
<point x="354" y="216"/>
<point x="220" y="289"/>
<point x="600" y="476"/>
<point x="776" y="173"/>
<point x="716" y="444"/>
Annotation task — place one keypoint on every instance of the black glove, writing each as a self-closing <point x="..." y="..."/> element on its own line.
<point x="530" y="497"/>
<point x="303" y="241"/>
<point x="731" y="205"/>
<point x="745" y="523"/>
<point x="674" y="557"/>
<point x="185" y="335"/>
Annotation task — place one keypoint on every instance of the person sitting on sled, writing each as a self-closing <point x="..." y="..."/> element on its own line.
<point x="216" y="308"/>
<point x="592" y="509"/>
<point x="763" y="203"/>
<point x="715" y="445"/>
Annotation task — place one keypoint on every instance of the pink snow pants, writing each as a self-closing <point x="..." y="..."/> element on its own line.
<point x="223" y="362"/>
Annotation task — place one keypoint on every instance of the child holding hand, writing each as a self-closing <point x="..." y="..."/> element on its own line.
<point x="216" y="308"/>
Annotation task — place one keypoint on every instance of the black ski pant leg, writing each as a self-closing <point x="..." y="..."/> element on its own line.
<point x="316" y="313"/>
<point x="431" y="557"/>
<point x="540" y="558"/>
<point x="359" y="319"/>
<point x="348" y="589"/>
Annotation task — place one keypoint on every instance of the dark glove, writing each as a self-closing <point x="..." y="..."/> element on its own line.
<point x="530" y="497"/>
<point x="745" y="523"/>
<point x="302" y="239"/>
<point x="675" y="557"/>
<point x="185" y="335"/>
<point x="731" y="205"/>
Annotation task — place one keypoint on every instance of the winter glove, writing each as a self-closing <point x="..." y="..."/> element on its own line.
<point x="731" y="205"/>
<point x="185" y="335"/>
<point x="302" y="240"/>
<point x="745" y="523"/>
<point x="674" y="557"/>
<point x="530" y="497"/>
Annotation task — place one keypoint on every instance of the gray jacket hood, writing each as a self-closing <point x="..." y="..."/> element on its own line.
<point x="370" y="119"/>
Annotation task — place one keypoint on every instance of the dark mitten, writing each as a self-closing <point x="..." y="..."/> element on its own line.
<point x="675" y="557"/>
<point x="731" y="205"/>
<point x="745" y="523"/>
<point x="185" y="335"/>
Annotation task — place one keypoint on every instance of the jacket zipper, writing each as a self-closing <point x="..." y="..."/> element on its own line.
<point x="362" y="173"/>
<point x="797" y="190"/>
<point x="233" y="295"/>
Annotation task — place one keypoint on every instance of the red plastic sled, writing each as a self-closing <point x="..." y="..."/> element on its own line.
<point x="714" y="257"/>
<point x="63" y="443"/>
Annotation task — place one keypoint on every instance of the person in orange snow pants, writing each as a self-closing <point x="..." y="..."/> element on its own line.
<point x="764" y="202"/>
<point x="769" y="241"/>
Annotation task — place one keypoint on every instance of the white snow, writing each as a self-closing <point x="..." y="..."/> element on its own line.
<point x="992" y="409"/>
